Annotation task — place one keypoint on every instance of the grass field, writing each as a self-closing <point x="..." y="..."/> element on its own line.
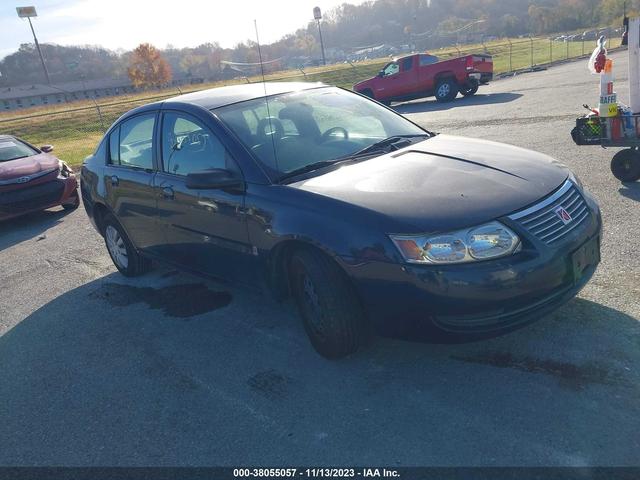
<point x="76" y="128"/>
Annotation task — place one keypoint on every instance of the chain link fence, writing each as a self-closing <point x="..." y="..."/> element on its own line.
<point x="75" y="129"/>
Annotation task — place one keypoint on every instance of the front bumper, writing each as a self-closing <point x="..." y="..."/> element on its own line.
<point x="38" y="196"/>
<point x="475" y="298"/>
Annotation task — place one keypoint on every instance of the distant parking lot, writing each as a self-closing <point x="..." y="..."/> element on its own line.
<point x="170" y="369"/>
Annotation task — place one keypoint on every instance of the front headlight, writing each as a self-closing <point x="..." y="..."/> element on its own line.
<point x="491" y="240"/>
<point x="576" y="181"/>
<point x="64" y="170"/>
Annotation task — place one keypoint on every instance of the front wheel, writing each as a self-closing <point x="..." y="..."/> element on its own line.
<point x="122" y="252"/>
<point x="625" y="165"/>
<point x="73" y="204"/>
<point x="446" y="90"/>
<point x="368" y="93"/>
<point x="330" y="311"/>
<point x="470" y="88"/>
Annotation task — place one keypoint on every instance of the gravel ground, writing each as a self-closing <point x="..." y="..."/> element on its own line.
<point x="169" y="369"/>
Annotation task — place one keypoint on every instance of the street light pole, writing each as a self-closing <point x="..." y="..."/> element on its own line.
<point x="28" y="12"/>
<point x="44" y="66"/>
<point x="317" y="14"/>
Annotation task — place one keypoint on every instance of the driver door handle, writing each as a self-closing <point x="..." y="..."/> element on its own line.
<point x="167" y="192"/>
<point x="115" y="180"/>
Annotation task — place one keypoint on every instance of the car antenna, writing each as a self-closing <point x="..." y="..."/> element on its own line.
<point x="266" y="98"/>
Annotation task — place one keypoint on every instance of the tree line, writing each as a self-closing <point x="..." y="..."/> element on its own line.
<point x="421" y="24"/>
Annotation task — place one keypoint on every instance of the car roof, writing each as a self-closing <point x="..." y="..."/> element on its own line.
<point x="7" y="137"/>
<point x="221" y="96"/>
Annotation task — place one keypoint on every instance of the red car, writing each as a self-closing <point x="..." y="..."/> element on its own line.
<point x="33" y="179"/>
<point x="423" y="75"/>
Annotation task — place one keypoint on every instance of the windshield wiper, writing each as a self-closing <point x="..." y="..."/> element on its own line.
<point x="371" y="149"/>
<point x="392" y="141"/>
<point x="309" y="168"/>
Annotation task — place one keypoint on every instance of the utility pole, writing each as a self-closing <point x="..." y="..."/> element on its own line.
<point x="317" y="14"/>
<point x="28" y="12"/>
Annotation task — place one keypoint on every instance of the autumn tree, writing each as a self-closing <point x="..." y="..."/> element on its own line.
<point x="148" y="68"/>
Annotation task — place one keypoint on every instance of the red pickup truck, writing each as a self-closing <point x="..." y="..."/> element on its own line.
<point x="423" y="75"/>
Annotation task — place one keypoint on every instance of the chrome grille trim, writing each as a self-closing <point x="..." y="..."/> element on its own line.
<point x="561" y="191"/>
<point x="541" y="220"/>
<point x="33" y="176"/>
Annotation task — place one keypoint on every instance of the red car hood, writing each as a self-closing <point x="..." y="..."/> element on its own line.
<point x="23" y="167"/>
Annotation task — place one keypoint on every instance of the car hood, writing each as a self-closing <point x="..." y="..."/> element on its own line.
<point x="443" y="183"/>
<point x="24" y="167"/>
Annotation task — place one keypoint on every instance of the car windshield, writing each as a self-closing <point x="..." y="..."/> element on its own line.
<point x="12" y="149"/>
<point x="295" y="131"/>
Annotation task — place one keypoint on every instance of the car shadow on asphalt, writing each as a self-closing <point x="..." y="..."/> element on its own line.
<point x="30" y="226"/>
<point x="111" y="372"/>
<point x="433" y="105"/>
<point x="631" y="190"/>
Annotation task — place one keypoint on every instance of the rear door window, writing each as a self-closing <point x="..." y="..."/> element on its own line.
<point x="131" y="143"/>
<point x="428" y="60"/>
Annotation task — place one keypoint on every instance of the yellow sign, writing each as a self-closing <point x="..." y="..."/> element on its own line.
<point x="608" y="109"/>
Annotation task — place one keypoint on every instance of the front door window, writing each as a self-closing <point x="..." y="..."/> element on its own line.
<point x="391" y="69"/>
<point x="188" y="146"/>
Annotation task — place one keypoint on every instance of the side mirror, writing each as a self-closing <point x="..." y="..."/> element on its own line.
<point x="47" y="148"/>
<point x="381" y="73"/>
<point x="215" y="178"/>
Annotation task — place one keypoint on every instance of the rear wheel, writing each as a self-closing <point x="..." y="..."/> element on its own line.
<point x="470" y="88"/>
<point x="625" y="165"/>
<point x="124" y="256"/>
<point x="446" y="90"/>
<point x="330" y="311"/>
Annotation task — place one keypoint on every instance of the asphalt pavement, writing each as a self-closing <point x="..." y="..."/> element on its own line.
<point x="170" y="369"/>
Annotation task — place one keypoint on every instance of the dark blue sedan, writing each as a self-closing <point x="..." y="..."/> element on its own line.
<point x="367" y="220"/>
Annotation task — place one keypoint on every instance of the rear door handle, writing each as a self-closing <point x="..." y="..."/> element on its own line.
<point x="115" y="180"/>
<point x="167" y="192"/>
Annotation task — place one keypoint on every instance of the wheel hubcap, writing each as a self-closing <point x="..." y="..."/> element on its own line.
<point x="313" y="306"/>
<point x="444" y="90"/>
<point x="116" y="246"/>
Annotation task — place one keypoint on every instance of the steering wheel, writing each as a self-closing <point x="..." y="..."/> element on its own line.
<point x="194" y="142"/>
<point x="274" y="127"/>
<point x="329" y="133"/>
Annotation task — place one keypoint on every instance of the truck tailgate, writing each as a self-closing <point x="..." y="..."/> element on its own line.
<point x="482" y="63"/>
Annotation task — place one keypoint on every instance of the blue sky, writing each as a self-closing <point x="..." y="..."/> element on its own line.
<point x="126" y="23"/>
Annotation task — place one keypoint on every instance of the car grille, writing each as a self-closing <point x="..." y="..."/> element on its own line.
<point x="543" y="221"/>
<point x="26" y="199"/>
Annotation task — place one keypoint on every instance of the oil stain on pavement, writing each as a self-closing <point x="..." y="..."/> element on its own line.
<point x="570" y="375"/>
<point x="182" y="301"/>
<point x="269" y="383"/>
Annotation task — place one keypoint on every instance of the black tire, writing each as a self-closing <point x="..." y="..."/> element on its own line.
<point x="446" y="90"/>
<point x="135" y="263"/>
<point x="74" y="205"/>
<point x="330" y="311"/>
<point x="625" y="165"/>
<point x="470" y="88"/>
<point x="368" y="93"/>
